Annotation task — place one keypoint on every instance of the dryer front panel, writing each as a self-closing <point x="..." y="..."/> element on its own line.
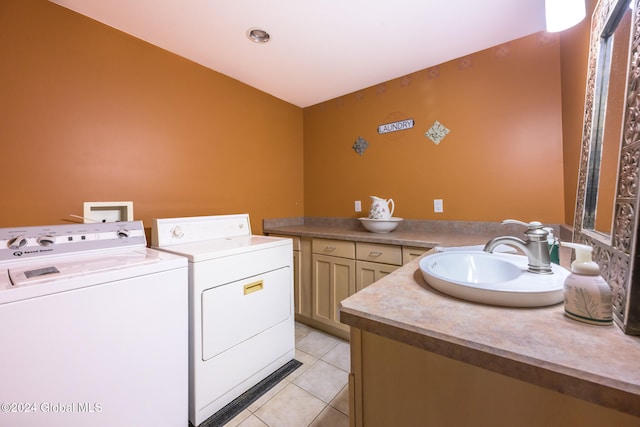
<point x="237" y="311"/>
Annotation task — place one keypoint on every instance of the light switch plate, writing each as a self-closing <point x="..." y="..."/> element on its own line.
<point x="437" y="206"/>
<point x="108" y="211"/>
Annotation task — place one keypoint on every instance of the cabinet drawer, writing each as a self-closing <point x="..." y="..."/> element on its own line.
<point x="295" y="239"/>
<point x="340" y="248"/>
<point x="376" y="252"/>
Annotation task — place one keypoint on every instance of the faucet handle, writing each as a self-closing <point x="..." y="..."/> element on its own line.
<point x="530" y="225"/>
<point x="535" y="229"/>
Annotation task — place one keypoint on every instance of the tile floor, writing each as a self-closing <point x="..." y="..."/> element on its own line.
<point x="314" y="395"/>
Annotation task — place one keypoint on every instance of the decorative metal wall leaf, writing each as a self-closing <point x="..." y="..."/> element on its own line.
<point x="360" y="145"/>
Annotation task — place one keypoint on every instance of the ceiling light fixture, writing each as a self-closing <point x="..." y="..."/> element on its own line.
<point x="563" y="14"/>
<point x="257" y="35"/>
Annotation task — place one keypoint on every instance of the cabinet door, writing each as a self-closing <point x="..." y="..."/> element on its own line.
<point x="409" y="253"/>
<point x="301" y="273"/>
<point x="333" y="281"/>
<point x="369" y="272"/>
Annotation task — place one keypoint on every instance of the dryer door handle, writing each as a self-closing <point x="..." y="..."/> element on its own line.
<point x="253" y="287"/>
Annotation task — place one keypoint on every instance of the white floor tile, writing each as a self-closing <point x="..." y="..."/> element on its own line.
<point x="268" y="395"/>
<point x="329" y="417"/>
<point x="307" y="361"/>
<point x="341" y="401"/>
<point x="302" y="330"/>
<point x="317" y="343"/>
<point x="252" y="421"/>
<point x="339" y="356"/>
<point x="323" y="380"/>
<point x="291" y="407"/>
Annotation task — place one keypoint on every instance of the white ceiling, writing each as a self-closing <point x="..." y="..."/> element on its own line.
<point x="319" y="49"/>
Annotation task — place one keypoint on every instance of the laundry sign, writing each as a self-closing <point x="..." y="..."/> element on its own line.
<point x="395" y="126"/>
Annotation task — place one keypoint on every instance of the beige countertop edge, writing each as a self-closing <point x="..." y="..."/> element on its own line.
<point x="592" y="388"/>
<point x="404" y="238"/>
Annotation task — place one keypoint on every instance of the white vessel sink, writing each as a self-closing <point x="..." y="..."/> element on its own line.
<point x="493" y="278"/>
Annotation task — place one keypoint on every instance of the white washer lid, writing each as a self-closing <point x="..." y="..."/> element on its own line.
<point x="58" y="274"/>
<point x="68" y="267"/>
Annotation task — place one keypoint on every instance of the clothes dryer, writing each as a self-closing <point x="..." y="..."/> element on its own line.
<point x="241" y="324"/>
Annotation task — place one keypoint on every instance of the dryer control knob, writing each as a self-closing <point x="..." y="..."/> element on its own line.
<point x="17" y="242"/>
<point x="123" y="233"/>
<point x="177" y="231"/>
<point x="46" y="240"/>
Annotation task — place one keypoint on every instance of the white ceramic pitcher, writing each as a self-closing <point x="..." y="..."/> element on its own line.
<point x="380" y="208"/>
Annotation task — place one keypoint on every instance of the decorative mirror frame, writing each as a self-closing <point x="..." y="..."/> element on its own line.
<point x="617" y="254"/>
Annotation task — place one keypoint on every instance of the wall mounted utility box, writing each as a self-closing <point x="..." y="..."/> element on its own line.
<point x="108" y="211"/>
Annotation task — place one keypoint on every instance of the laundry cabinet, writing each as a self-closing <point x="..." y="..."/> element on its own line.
<point x="409" y="253"/>
<point x="374" y="261"/>
<point x="333" y="279"/>
<point x="326" y="271"/>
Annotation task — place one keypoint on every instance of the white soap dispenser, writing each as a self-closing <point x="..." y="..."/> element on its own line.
<point x="587" y="296"/>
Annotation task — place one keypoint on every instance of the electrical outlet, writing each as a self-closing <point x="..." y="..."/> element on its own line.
<point x="437" y="206"/>
<point x="358" y="206"/>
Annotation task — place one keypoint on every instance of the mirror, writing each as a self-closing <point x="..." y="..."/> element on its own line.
<point x="609" y="91"/>
<point x="607" y="200"/>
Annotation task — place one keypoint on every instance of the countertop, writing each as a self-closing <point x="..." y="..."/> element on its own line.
<point x="599" y="364"/>
<point x="417" y="233"/>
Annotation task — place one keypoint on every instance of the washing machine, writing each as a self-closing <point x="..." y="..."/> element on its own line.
<point x="241" y="317"/>
<point x="93" y="328"/>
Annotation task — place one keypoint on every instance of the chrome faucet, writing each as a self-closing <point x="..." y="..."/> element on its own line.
<point x="536" y="247"/>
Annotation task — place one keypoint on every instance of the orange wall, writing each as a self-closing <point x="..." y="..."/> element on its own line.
<point x="89" y="113"/>
<point x="502" y="158"/>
